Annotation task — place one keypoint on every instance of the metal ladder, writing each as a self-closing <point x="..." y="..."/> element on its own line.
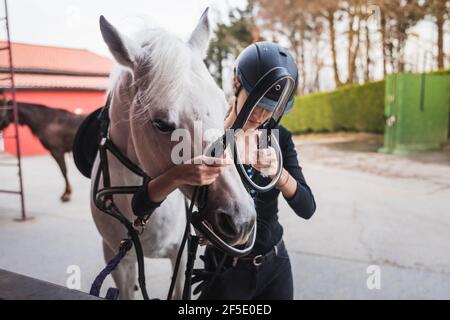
<point x="15" y="136"/>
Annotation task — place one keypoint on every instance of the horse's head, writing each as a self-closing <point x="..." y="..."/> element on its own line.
<point x="171" y="100"/>
<point x="6" y="115"/>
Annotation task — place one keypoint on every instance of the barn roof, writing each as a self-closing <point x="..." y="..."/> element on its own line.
<point x="45" y="67"/>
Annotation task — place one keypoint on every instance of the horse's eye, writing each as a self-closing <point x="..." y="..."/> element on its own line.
<point x="163" y="126"/>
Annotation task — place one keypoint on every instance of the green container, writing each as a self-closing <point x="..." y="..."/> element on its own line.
<point x="416" y="112"/>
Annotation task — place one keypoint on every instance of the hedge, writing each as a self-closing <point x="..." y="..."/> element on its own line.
<point x="440" y="72"/>
<point x="349" y="108"/>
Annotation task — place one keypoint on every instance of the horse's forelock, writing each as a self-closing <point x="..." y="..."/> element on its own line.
<point x="169" y="74"/>
<point x="163" y="70"/>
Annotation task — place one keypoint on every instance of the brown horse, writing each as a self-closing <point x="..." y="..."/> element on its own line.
<point x="55" y="129"/>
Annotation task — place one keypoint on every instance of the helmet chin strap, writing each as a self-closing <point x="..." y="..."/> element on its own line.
<point x="236" y="95"/>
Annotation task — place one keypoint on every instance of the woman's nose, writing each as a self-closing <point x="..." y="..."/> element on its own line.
<point x="261" y="113"/>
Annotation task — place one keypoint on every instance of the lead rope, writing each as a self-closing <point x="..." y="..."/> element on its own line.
<point x="112" y="294"/>
<point x="186" y="235"/>
<point x="193" y="242"/>
<point x="103" y="196"/>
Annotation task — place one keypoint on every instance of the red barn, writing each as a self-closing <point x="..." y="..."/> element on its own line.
<point x="72" y="79"/>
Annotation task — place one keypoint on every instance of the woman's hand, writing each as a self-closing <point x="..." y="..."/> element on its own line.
<point x="267" y="162"/>
<point x="264" y="160"/>
<point x="247" y="145"/>
<point x="198" y="171"/>
<point x="201" y="170"/>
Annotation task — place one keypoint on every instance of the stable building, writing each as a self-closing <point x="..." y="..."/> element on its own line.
<point x="72" y="79"/>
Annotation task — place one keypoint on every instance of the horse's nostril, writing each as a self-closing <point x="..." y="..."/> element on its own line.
<point x="227" y="226"/>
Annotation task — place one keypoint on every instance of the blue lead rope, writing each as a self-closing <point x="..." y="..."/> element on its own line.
<point x="113" y="293"/>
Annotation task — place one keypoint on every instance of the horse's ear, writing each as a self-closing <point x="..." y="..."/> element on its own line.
<point x="200" y="37"/>
<point x="122" y="48"/>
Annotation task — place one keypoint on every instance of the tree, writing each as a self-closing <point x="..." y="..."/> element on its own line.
<point x="338" y="31"/>
<point x="302" y="22"/>
<point x="353" y="11"/>
<point x="329" y="10"/>
<point x="399" y="16"/>
<point x="439" y="10"/>
<point x="288" y="19"/>
<point x="229" y="40"/>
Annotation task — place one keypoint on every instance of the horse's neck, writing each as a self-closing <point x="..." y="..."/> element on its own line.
<point x="29" y="117"/>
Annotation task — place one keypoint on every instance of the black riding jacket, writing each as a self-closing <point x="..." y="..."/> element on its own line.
<point x="269" y="230"/>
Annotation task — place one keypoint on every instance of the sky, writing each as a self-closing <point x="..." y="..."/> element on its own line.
<point x="74" y="23"/>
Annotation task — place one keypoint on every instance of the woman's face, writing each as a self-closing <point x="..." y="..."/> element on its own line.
<point x="258" y="116"/>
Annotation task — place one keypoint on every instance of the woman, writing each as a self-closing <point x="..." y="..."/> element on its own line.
<point x="266" y="272"/>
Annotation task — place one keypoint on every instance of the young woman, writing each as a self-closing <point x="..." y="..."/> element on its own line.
<point x="266" y="272"/>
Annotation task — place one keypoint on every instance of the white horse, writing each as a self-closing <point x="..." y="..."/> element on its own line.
<point x="162" y="78"/>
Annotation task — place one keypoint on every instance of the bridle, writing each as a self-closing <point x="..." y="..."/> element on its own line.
<point x="103" y="197"/>
<point x="103" y="200"/>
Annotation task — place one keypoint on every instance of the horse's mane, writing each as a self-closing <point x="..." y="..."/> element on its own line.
<point x="40" y="108"/>
<point x="163" y="67"/>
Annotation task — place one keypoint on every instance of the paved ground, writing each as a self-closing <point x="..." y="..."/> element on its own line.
<point x="373" y="209"/>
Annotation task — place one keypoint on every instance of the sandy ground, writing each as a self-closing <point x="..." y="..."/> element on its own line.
<point x="373" y="209"/>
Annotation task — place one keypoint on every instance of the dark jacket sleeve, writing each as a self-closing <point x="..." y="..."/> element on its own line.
<point x="302" y="202"/>
<point x="141" y="203"/>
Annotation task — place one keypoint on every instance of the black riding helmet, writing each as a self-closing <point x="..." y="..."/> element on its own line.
<point x="255" y="61"/>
